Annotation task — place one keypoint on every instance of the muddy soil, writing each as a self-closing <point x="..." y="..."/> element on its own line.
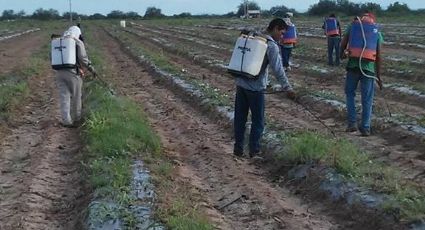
<point x="14" y="52"/>
<point x="292" y="116"/>
<point x="226" y="40"/>
<point x="204" y="152"/>
<point x="40" y="182"/>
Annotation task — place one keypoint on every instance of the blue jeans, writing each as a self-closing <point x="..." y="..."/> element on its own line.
<point x="333" y="44"/>
<point x="248" y="100"/>
<point x="286" y="54"/>
<point x="367" y="88"/>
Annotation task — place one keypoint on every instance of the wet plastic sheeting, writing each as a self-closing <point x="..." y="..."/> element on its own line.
<point x="142" y="190"/>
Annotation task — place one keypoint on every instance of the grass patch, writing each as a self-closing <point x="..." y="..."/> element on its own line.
<point x="328" y="95"/>
<point x="421" y="121"/>
<point x="186" y="219"/>
<point x="358" y="166"/>
<point x="117" y="132"/>
<point x="164" y="63"/>
<point x="14" y="87"/>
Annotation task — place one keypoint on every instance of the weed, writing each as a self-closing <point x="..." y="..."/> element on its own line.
<point x="14" y="87"/>
<point x="358" y="166"/>
<point x="164" y="63"/>
<point x="116" y="132"/>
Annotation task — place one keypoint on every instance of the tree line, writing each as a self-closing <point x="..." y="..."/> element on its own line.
<point x="323" y="7"/>
<point x="345" y="7"/>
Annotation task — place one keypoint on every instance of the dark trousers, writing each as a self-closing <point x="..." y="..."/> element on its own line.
<point x="248" y="100"/>
<point x="367" y="89"/>
<point x="333" y="44"/>
<point x="286" y="55"/>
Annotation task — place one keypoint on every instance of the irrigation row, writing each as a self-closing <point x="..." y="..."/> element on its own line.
<point x="335" y="110"/>
<point x="319" y="74"/>
<point x="18" y="34"/>
<point x="194" y="93"/>
<point x="395" y="75"/>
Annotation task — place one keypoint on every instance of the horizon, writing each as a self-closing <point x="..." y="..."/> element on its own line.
<point x="196" y="7"/>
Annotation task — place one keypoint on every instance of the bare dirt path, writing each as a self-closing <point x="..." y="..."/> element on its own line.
<point x="204" y="149"/>
<point x="14" y="52"/>
<point x="385" y="145"/>
<point x="40" y="183"/>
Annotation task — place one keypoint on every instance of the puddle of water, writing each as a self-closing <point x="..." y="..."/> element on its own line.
<point x="308" y="34"/>
<point x="227" y="111"/>
<point x="103" y="215"/>
<point x="19" y="34"/>
<point x="319" y="69"/>
<point x="415" y="128"/>
<point x="397" y="59"/>
<point x="406" y="90"/>
<point x="143" y="189"/>
<point x="334" y="184"/>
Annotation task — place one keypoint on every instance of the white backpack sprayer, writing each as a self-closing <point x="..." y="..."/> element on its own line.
<point x="248" y="56"/>
<point x="63" y="53"/>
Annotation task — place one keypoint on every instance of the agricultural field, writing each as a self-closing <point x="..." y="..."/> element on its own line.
<point x="155" y="148"/>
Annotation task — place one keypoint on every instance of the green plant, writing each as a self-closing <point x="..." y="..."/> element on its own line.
<point x="110" y="156"/>
<point x="357" y="166"/>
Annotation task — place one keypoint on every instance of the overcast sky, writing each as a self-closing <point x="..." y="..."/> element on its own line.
<point x="168" y="7"/>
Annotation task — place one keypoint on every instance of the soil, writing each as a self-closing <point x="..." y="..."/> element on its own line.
<point x="40" y="182"/>
<point x="14" y="52"/>
<point x="383" y="145"/>
<point x="41" y="185"/>
<point x="203" y="148"/>
<point x="205" y="152"/>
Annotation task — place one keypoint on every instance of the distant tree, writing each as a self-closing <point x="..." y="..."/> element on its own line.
<point x="371" y="7"/>
<point x="397" y="7"/>
<point x="185" y="15"/>
<point x="8" y="14"/>
<point x="153" y="12"/>
<point x="323" y="7"/>
<point x="74" y="15"/>
<point x="132" y="15"/>
<point x="97" y="16"/>
<point x="42" y="14"/>
<point x="251" y="6"/>
<point x="231" y="14"/>
<point x="350" y="8"/>
<point x="116" y="14"/>
<point x="20" y="14"/>
<point x="278" y="11"/>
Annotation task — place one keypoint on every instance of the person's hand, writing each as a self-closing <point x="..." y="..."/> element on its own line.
<point x="379" y="81"/>
<point x="344" y="54"/>
<point x="291" y="94"/>
<point x="81" y="72"/>
<point x="92" y="70"/>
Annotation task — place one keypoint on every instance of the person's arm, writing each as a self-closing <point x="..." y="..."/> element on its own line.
<point x="339" y="29"/>
<point x="275" y="62"/>
<point x="83" y="58"/>
<point x="344" y="43"/>
<point x="82" y="54"/>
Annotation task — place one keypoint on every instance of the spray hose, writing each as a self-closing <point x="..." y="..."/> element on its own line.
<point x="360" y="64"/>
<point x="363" y="50"/>
<point x="305" y="108"/>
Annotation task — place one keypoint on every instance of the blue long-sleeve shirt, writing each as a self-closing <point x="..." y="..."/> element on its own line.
<point x="275" y="62"/>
